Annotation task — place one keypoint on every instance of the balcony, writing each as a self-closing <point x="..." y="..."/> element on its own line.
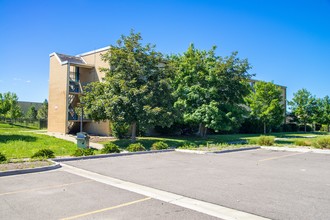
<point x="74" y="87"/>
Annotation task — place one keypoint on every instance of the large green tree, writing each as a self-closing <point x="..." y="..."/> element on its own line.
<point x="303" y="106"/>
<point x="210" y="90"/>
<point x="137" y="87"/>
<point x="266" y="104"/>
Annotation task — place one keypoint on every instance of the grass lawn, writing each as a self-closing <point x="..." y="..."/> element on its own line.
<point x="281" y="139"/>
<point x="17" y="142"/>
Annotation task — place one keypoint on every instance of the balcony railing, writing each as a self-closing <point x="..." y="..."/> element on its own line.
<point x="74" y="87"/>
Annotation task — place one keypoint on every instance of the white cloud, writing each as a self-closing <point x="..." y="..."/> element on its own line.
<point x="17" y="79"/>
<point x="28" y="81"/>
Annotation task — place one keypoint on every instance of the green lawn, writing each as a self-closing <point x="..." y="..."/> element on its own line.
<point x="20" y="142"/>
<point x="282" y="139"/>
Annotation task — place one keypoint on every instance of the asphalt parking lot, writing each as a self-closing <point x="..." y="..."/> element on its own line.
<point x="270" y="184"/>
<point x="61" y="195"/>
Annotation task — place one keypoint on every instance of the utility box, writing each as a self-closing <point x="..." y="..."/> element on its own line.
<point x="82" y="140"/>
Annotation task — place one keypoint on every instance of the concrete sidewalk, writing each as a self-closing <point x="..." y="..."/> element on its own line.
<point x="72" y="138"/>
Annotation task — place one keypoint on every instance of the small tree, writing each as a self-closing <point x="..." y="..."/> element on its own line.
<point x="32" y="113"/>
<point x="303" y="106"/>
<point x="325" y="112"/>
<point x="43" y="110"/>
<point x="15" y="112"/>
<point x="266" y="104"/>
<point x="9" y="105"/>
<point x="5" y="103"/>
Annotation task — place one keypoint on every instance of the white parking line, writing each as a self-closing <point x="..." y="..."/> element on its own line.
<point x="106" y="209"/>
<point x="179" y="200"/>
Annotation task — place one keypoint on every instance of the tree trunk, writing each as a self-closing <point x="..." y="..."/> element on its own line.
<point x="328" y="128"/>
<point x="305" y="127"/>
<point x="265" y="131"/>
<point x="133" y="136"/>
<point x="202" y="130"/>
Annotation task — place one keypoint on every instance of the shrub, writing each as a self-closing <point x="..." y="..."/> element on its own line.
<point x="2" y="158"/>
<point x="253" y="141"/>
<point x="187" y="145"/>
<point x="266" y="140"/>
<point x="160" y="145"/>
<point x="83" y="152"/>
<point x="119" y="130"/>
<point x="135" y="147"/>
<point x="324" y="128"/>
<point x="300" y="142"/>
<point x="44" y="153"/>
<point x="110" y="148"/>
<point x="322" y="142"/>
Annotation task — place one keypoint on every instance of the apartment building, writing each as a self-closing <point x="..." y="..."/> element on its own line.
<point x="68" y="76"/>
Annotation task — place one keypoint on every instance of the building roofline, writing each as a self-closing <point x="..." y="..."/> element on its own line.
<point x="77" y="64"/>
<point x="55" y="54"/>
<point x="93" y="51"/>
<point x="256" y="80"/>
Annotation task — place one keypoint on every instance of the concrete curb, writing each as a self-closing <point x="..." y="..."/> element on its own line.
<point x="110" y="155"/>
<point x="191" y="151"/>
<point x="234" y="150"/>
<point x="31" y="170"/>
<point x="293" y="149"/>
<point x="215" y="152"/>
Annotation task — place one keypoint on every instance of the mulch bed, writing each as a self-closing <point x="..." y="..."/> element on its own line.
<point x="23" y="165"/>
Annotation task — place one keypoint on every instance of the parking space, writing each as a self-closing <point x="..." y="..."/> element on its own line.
<point x="61" y="195"/>
<point x="276" y="185"/>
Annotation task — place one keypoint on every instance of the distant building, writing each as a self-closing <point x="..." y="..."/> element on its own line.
<point x="25" y="106"/>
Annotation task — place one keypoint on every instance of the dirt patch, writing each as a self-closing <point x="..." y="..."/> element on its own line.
<point x="24" y="165"/>
<point x="96" y="139"/>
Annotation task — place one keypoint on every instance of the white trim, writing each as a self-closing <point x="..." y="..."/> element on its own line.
<point x="83" y="60"/>
<point x="93" y="51"/>
<point x="55" y="54"/>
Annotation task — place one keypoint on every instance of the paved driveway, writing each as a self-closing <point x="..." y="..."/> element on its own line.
<point x="173" y="185"/>
<point x="276" y="185"/>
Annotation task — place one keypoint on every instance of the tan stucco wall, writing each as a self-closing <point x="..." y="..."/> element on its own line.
<point x="57" y="107"/>
<point x="92" y="75"/>
<point x="95" y="59"/>
<point x="99" y="128"/>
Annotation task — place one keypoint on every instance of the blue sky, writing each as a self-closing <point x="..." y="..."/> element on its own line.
<point x="287" y="42"/>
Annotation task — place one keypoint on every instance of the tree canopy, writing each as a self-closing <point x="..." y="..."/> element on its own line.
<point x="209" y="89"/>
<point x="266" y="104"/>
<point x="303" y="106"/>
<point x="43" y="110"/>
<point x="136" y="88"/>
<point x="9" y="105"/>
<point x="325" y="111"/>
<point x="32" y="113"/>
